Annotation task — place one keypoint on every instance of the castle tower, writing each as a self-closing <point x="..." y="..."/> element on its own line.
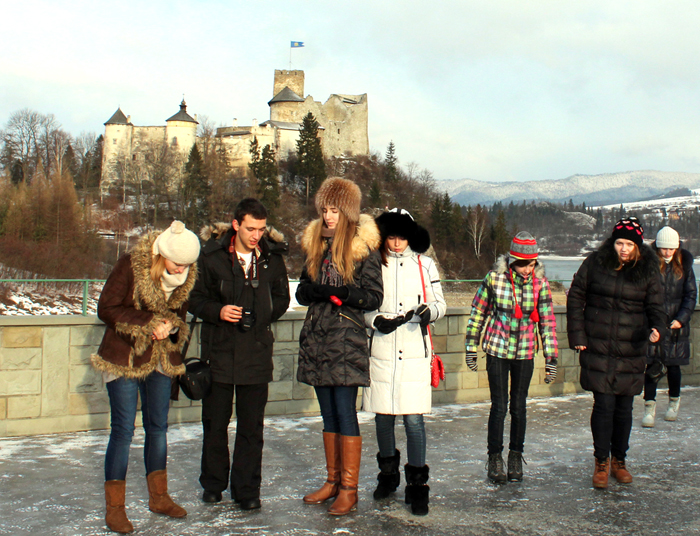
<point x="117" y="145"/>
<point x="286" y="104"/>
<point x="294" y="80"/>
<point x="181" y="129"/>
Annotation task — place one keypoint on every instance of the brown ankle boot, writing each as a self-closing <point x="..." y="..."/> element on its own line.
<point x="331" y="445"/>
<point x="600" y="475"/>
<point x="116" y="514"/>
<point x="350" y="455"/>
<point x="619" y="471"/>
<point x="158" y="499"/>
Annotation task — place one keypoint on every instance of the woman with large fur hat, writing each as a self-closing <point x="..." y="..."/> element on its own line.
<point x="144" y="304"/>
<point x="341" y="280"/>
<point x="614" y="308"/>
<point x="401" y="354"/>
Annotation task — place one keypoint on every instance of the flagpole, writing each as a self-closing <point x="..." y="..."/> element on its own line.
<point x="290" y="57"/>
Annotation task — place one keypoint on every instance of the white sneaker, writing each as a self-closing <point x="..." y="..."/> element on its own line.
<point x="649" y="414"/>
<point x="674" y="404"/>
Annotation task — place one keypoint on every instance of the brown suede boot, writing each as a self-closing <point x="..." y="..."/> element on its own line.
<point x="158" y="499"/>
<point x="619" y="471"/>
<point x="331" y="445"/>
<point x="116" y="514"/>
<point x="600" y="475"/>
<point x="350" y="455"/>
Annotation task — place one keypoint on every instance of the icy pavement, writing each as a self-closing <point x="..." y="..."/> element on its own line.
<point x="53" y="484"/>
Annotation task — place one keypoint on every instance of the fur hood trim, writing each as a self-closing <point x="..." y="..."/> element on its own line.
<point x="366" y="240"/>
<point x="219" y="229"/>
<point x="150" y="297"/>
<point x="503" y="262"/>
<point x="646" y="267"/>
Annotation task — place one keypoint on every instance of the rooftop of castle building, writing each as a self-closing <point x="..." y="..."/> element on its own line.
<point x="286" y="95"/>
<point x="182" y="115"/>
<point x="118" y="118"/>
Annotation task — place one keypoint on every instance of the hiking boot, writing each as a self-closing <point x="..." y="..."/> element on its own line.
<point x="600" y="474"/>
<point x="496" y="471"/>
<point x="619" y="471"/>
<point x="515" y="466"/>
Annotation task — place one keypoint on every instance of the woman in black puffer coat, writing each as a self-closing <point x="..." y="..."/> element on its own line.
<point x="342" y="279"/>
<point x="614" y="307"/>
<point x="680" y="297"/>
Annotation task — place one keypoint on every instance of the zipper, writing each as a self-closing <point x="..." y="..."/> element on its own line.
<point x="351" y="320"/>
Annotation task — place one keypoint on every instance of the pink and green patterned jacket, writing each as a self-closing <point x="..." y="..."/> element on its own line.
<point x="507" y="337"/>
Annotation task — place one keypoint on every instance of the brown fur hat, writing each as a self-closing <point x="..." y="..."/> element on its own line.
<point x="341" y="193"/>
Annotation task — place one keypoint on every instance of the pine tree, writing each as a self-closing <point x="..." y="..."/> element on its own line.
<point x="268" y="181"/>
<point x="391" y="173"/>
<point x="375" y="194"/>
<point x="195" y="191"/>
<point x="310" y="167"/>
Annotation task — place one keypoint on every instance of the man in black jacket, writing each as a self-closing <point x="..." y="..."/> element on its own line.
<point x="241" y="289"/>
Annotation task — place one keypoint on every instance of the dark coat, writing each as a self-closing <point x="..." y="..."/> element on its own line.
<point x="235" y="356"/>
<point x="680" y="297"/>
<point x="611" y="313"/>
<point x="131" y="305"/>
<point x="333" y="343"/>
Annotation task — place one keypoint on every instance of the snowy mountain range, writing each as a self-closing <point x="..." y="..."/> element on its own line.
<point x="605" y="189"/>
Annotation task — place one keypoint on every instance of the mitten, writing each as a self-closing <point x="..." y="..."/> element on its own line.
<point x="470" y="358"/>
<point x="387" y="325"/>
<point x="550" y="371"/>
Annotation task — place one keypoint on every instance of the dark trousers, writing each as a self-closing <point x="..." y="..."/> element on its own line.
<point x="415" y="437"/>
<point x="246" y="469"/>
<point x="520" y="373"/>
<point x="674" y="383"/>
<point x="338" y="410"/>
<point x="611" y="424"/>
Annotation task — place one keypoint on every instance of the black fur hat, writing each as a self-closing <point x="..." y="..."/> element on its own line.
<point x="399" y="222"/>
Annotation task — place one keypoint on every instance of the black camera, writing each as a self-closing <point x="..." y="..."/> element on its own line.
<point x="247" y="321"/>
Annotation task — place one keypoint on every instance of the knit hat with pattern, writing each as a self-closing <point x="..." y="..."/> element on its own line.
<point x="667" y="238"/>
<point x="523" y="247"/>
<point x="629" y="228"/>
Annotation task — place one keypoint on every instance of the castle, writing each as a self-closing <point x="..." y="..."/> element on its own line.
<point x="342" y="120"/>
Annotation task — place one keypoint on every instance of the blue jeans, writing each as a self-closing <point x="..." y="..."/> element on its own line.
<point x="520" y="372"/>
<point x="155" y="403"/>
<point x="338" y="410"/>
<point x="415" y="437"/>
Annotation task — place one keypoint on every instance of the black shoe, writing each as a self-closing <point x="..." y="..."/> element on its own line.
<point x="211" y="496"/>
<point x="495" y="469"/>
<point x="515" y="466"/>
<point x="249" y="504"/>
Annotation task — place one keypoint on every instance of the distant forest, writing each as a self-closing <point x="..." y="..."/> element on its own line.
<point x="53" y="214"/>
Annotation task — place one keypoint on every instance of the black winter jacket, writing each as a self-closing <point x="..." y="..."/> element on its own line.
<point x="611" y="313"/>
<point x="235" y="356"/>
<point x="680" y="297"/>
<point x="333" y="343"/>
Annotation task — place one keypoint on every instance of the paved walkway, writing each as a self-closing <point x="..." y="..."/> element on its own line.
<point x="53" y="484"/>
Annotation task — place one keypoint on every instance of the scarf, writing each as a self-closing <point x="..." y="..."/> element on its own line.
<point x="169" y="282"/>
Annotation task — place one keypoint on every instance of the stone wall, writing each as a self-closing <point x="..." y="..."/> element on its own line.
<point x="47" y="384"/>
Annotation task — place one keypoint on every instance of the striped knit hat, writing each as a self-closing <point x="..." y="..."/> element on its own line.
<point x="523" y="247"/>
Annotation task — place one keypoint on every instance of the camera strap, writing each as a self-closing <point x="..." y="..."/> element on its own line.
<point x="252" y="270"/>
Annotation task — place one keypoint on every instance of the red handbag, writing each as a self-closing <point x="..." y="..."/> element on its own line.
<point x="437" y="368"/>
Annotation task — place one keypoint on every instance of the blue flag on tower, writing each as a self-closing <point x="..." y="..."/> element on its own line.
<point x="297" y="44"/>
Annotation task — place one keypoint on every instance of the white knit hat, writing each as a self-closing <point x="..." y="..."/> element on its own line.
<point x="667" y="238"/>
<point x="177" y="244"/>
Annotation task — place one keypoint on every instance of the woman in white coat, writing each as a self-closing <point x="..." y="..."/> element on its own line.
<point x="401" y="354"/>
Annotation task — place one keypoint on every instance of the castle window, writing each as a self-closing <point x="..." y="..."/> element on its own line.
<point x="114" y="141"/>
<point x="338" y="131"/>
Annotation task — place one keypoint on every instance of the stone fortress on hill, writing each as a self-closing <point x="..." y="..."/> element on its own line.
<point x="342" y="120"/>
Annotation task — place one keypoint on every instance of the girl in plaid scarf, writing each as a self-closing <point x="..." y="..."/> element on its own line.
<point x="513" y="300"/>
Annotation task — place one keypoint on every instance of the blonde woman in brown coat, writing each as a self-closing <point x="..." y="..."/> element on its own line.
<point x="143" y="304"/>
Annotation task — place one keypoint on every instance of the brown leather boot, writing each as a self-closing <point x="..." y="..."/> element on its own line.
<point x="350" y="455"/>
<point x="116" y="514"/>
<point x="331" y="445"/>
<point x="600" y="475"/>
<point x="619" y="471"/>
<point x="158" y="499"/>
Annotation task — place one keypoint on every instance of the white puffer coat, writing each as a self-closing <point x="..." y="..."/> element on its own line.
<point x="400" y="361"/>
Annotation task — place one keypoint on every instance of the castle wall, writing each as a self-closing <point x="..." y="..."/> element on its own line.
<point x="344" y="118"/>
<point x="294" y="80"/>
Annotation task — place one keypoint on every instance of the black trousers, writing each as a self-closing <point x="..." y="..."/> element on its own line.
<point x="245" y="472"/>
<point x="611" y="424"/>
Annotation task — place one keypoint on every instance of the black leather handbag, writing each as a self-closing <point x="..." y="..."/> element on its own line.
<point x="657" y="369"/>
<point x="196" y="381"/>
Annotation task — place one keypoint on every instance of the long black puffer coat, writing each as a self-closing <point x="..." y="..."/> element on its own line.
<point x="680" y="297"/>
<point x="333" y="343"/>
<point x="611" y="313"/>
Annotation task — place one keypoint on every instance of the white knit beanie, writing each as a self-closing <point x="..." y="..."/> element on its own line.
<point x="667" y="238"/>
<point x="177" y="244"/>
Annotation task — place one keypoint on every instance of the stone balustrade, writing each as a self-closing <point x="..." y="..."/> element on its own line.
<point x="47" y="384"/>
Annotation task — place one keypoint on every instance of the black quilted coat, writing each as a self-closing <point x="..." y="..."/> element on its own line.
<point x="333" y="343"/>
<point x="680" y="296"/>
<point x="611" y="313"/>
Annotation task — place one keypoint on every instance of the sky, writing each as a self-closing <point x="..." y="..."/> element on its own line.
<point x="498" y="90"/>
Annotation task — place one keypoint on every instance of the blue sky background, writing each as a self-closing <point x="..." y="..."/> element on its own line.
<point x="498" y="90"/>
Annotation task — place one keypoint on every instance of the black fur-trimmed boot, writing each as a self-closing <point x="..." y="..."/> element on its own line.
<point x="389" y="476"/>
<point x="417" y="492"/>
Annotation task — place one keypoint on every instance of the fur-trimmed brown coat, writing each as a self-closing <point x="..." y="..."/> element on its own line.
<point x="333" y="343"/>
<point x="131" y="305"/>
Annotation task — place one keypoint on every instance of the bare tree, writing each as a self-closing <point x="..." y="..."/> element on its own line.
<point x="477" y="225"/>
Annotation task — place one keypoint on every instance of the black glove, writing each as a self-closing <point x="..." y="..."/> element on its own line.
<point x="550" y="371"/>
<point x="470" y="359"/>
<point x="387" y="325"/>
<point x="313" y="292"/>
<point x="424" y="312"/>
